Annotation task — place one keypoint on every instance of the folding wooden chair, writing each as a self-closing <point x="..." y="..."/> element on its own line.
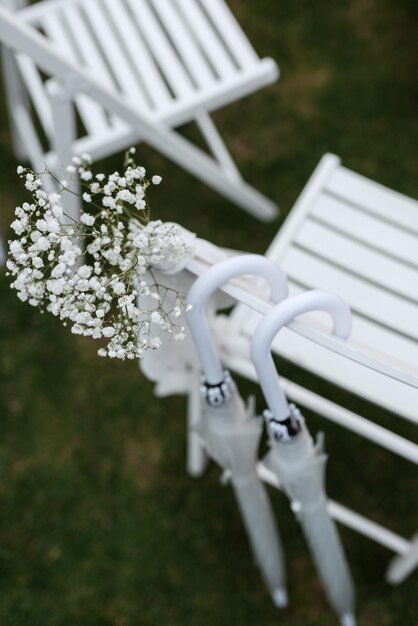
<point x="351" y="236"/>
<point x="168" y="61"/>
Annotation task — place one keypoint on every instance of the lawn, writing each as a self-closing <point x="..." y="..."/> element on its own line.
<point x="100" y="525"/>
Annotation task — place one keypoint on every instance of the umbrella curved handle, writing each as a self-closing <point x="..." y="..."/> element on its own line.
<point x="211" y="280"/>
<point x="272" y="323"/>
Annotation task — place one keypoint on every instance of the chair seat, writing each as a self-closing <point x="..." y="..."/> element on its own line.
<point x="358" y="239"/>
<point x="172" y="58"/>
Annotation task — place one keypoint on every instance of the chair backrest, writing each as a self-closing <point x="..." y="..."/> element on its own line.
<point x="166" y="57"/>
<point x="22" y="38"/>
<point x="359" y="239"/>
<point x="351" y="236"/>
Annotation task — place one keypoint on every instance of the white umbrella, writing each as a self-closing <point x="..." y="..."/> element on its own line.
<point x="230" y="430"/>
<point x="297" y="462"/>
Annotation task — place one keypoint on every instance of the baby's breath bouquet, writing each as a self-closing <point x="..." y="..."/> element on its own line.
<point x="97" y="273"/>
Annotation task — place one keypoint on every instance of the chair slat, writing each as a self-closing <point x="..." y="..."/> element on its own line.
<point x="358" y="259"/>
<point x="367" y="383"/>
<point x="340" y="370"/>
<point x="185" y="44"/>
<point x="37" y="91"/>
<point x="231" y="32"/>
<point x="365" y="298"/>
<point x="162" y="50"/>
<point x="86" y="44"/>
<point x="367" y="228"/>
<point x="114" y="52"/>
<point x="385" y="343"/>
<point x="34" y="13"/>
<point x="89" y="49"/>
<point x="209" y="39"/>
<point x="91" y="113"/>
<point x="335" y="225"/>
<point x="375" y="198"/>
<point x="152" y="80"/>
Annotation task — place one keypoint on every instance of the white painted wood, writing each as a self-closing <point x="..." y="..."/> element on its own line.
<point x="393" y="393"/>
<point x="151" y="78"/>
<point x="64" y="117"/>
<point x="323" y="354"/>
<point x="375" y="198"/>
<point x="186" y="46"/>
<point x="217" y="146"/>
<point x="366" y="298"/>
<point x="161" y="48"/>
<point x="121" y="138"/>
<point x="91" y="113"/>
<point x="231" y="32"/>
<point x="115" y="55"/>
<point x="87" y="46"/>
<point x="36" y="90"/>
<point x="366" y="228"/>
<point x="351" y="519"/>
<point x="219" y="94"/>
<point x="330" y="410"/>
<point x="33" y="13"/>
<point x="366" y="335"/>
<point x="209" y="39"/>
<point x="404" y="564"/>
<point x="380" y="361"/>
<point x="357" y="522"/>
<point x="16" y="95"/>
<point x="131" y="105"/>
<point x="90" y="53"/>
<point x="320" y="177"/>
<point x="358" y="259"/>
<point x="375" y="365"/>
<point x="193" y="160"/>
<point x="27" y="131"/>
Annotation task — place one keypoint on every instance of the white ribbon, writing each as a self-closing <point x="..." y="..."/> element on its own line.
<point x="171" y="262"/>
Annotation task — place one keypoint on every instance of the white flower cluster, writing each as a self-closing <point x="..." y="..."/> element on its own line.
<point x="97" y="274"/>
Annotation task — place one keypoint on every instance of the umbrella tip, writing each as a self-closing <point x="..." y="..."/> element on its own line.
<point x="279" y="596"/>
<point x="348" y="619"/>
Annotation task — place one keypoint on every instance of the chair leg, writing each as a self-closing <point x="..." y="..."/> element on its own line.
<point x="218" y="147"/>
<point x="224" y="176"/>
<point x="16" y="95"/>
<point x="64" y="123"/>
<point x="403" y="565"/>
<point x="17" y="98"/>
<point x="196" y="455"/>
<point x="197" y="162"/>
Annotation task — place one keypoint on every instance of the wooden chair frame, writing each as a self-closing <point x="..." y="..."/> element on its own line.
<point x="194" y="59"/>
<point x="365" y="365"/>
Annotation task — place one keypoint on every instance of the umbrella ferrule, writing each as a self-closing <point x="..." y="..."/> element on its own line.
<point x="284" y="429"/>
<point x="220" y="393"/>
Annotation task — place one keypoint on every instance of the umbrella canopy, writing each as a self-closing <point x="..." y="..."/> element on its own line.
<point x="295" y="459"/>
<point x="230" y="430"/>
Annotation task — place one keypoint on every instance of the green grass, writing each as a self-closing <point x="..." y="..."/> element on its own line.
<point x="100" y="524"/>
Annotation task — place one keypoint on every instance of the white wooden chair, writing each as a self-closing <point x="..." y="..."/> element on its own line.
<point x="168" y="61"/>
<point x="351" y="236"/>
